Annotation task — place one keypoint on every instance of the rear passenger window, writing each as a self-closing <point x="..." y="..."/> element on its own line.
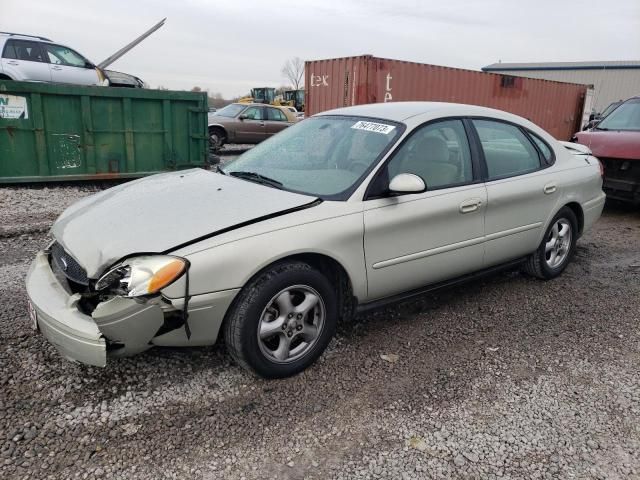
<point x="275" y="114"/>
<point x="507" y="150"/>
<point x="24" y="50"/>
<point x="9" y="51"/>
<point x="547" y="155"/>
<point x="253" y="113"/>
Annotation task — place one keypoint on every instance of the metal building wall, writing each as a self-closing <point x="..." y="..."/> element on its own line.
<point x="333" y="83"/>
<point x="609" y="85"/>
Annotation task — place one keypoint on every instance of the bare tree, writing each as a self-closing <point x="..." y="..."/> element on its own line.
<point x="293" y="70"/>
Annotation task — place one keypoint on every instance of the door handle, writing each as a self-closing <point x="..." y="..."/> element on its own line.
<point x="550" y="188"/>
<point x="470" y="205"/>
<point x="13" y="62"/>
<point x="56" y="68"/>
<point x="262" y="124"/>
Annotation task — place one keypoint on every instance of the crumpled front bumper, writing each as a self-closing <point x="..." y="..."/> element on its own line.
<point x="118" y="326"/>
<point x="74" y="334"/>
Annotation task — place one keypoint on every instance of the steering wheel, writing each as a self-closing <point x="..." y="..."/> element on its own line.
<point x="358" y="166"/>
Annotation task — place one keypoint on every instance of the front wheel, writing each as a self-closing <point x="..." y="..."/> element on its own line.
<point x="216" y="140"/>
<point x="282" y="320"/>
<point x="557" y="246"/>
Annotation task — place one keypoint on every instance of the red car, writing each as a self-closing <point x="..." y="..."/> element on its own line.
<point x="616" y="142"/>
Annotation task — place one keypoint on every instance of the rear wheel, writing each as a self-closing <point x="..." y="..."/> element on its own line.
<point x="557" y="246"/>
<point x="282" y="320"/>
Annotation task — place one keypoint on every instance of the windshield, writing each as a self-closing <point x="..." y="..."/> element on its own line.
<point x="230" y="110"/>
<point x="263" y="95"/>
<point x="625" y="117"/>
<point x="609" y="109"/>
<point x="322" y="156"/>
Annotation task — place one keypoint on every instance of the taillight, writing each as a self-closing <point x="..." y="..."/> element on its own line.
<point x="601" y="168"/>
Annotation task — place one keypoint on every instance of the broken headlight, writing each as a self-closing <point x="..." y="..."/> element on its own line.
<point x="144" y="275"/>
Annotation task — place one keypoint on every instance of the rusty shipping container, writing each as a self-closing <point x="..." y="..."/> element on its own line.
<point x="339" y="82"/>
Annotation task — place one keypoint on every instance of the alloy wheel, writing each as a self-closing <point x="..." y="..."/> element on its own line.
<point x="291" y="323"/>
<point x="558" y="243"/>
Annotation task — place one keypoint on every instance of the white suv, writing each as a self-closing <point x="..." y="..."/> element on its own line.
<point x="31" y="58"/>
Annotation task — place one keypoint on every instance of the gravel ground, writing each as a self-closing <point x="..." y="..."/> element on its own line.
<point x="503" y="378"/>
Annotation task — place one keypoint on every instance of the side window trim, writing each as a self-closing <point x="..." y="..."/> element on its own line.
<point x="476" y="165"/>
<point x="43" y="53"/>
<point x="480" y="172"/>
<point x="532" y="137"/>
<point x="485" y="168"/>
<point x="47" y="58"/>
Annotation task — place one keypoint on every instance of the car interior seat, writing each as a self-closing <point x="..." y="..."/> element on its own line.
<point x="429" y="159"/>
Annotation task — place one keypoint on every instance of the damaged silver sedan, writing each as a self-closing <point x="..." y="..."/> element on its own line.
<point x="345" y="211"/>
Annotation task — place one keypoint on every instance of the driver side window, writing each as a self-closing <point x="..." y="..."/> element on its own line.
<point x="59" y="55"/>
<point x="253" y="113"/>
<point x="438" y="153"/>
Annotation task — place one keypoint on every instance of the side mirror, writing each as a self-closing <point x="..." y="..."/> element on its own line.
<point x="407" y="183"/>
<point x="89" y="65"/>
<point x="242" y="117"/>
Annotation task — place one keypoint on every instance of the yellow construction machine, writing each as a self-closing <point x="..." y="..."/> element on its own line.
<point x="290" y="98"/>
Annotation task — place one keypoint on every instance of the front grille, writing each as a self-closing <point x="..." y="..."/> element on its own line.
<point x="67" y="265"/>
<point x="621" y="169"/>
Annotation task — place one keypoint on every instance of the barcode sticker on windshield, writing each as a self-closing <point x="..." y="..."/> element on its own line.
<point x="373" y="127"/>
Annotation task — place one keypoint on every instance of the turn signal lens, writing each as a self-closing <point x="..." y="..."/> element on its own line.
<point x="166" y="275"/>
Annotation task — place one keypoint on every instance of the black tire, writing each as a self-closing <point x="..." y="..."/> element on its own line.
<point x="538" y="264"/>
<point x="217" y="139"/>
<point x="244" y="319"/>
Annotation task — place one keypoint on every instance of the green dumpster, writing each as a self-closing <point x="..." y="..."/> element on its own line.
<point x="67" y="132"/>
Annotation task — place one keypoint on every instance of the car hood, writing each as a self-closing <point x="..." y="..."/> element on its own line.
<point x="120" y="78"/>
<point x="611" y="144"/>
<point x="158" y="213"/>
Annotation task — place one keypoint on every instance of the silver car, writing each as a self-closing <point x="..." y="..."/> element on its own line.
<point x="38" y="59"/>
<point x="348" y="210"/>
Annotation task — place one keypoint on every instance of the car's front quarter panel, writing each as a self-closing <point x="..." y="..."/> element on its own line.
<point x="228" y="261"/>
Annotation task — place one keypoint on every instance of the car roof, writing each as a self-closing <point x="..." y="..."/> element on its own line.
<point x="416" y="113"/>
<point x="401" y="111"/>
<point x="23" y="36"/>
<point x="258" y="105"/>
<point x="251" y="104"/>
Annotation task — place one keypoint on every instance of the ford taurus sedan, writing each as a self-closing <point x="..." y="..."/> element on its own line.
<point x="345" y="211"/>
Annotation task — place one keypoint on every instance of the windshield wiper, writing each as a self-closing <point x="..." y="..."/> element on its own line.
<point x="600" y="128"/>
<point x="257" y="178"/>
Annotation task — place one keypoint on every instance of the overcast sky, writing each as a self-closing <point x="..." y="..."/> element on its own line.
<point x="229" y="46"/>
